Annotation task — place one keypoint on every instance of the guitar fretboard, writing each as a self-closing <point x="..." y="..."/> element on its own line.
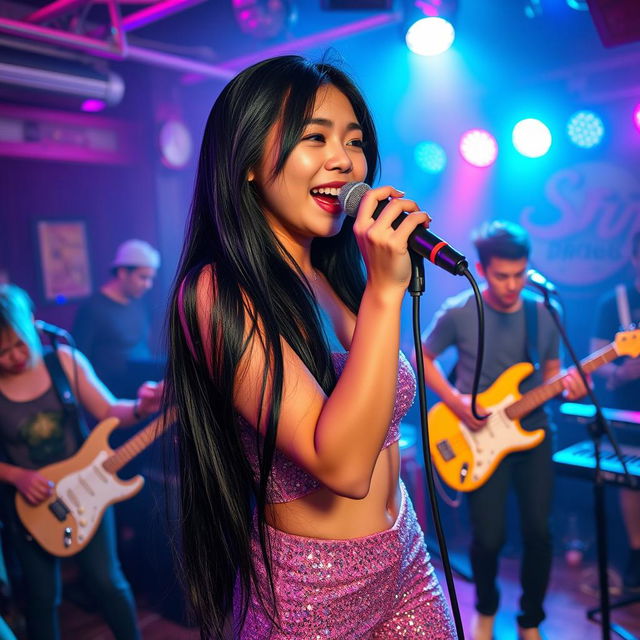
<point x="534" y="398"/>
<point x="132" y="447"/>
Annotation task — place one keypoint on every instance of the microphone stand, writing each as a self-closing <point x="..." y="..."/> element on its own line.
<point x="416" y="289"/>
<point x="54" y="340"/>
<point x="597" y="429"/>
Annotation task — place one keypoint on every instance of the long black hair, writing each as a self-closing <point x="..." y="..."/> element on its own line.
<point x="252" y="273"/>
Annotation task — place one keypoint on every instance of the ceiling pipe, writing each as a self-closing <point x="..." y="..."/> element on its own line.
<point x="119" y="37"/>
<point x="54" y="10"/>
<point x="178" y="63"/>
<point x="156" y="12"/>
<point x="136" y="20"/>
<point x="100" y="48"/>
<point x="149" y="15"/>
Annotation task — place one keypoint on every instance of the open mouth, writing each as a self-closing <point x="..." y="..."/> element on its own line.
<point x="327" y="198"/>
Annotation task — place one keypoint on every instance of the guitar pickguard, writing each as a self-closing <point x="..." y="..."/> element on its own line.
<point x="87" y="492"/>
<point x="500" y="434"/>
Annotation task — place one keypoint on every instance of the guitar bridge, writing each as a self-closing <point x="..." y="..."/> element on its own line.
<point x="59" y="509"/>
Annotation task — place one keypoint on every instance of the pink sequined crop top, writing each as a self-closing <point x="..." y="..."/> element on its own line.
<point x="288" y="480"/>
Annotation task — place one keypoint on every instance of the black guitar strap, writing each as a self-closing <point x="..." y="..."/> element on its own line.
<point x="65" y="395"/>
<point x="531" y="328"/>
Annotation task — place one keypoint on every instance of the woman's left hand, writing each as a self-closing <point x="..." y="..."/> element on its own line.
<point x="150" y="397"/>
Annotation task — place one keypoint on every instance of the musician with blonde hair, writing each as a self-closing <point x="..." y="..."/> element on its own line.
<point x="38" y="428"/>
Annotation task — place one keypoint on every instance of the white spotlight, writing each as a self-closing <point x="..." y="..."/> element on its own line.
<point x="430" y="36"/>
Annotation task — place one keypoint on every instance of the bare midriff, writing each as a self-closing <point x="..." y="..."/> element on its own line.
<point x="325" y="514"/>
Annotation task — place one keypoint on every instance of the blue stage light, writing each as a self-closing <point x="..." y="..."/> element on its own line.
<point x="585" y="129"/>
<point x="430" y="157"/>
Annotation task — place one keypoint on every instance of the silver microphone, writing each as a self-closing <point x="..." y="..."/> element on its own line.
<point x="539" y="282"/>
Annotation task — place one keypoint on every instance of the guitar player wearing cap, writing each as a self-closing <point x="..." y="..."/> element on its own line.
<point x="113" y="327"/>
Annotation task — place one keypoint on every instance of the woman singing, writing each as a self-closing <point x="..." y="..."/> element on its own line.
<point x="285" y="368"/>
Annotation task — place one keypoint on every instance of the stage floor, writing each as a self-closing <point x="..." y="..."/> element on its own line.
<point x="572" y="592"/>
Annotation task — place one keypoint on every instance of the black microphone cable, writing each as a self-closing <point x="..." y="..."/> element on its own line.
<point x="416" y="289"/>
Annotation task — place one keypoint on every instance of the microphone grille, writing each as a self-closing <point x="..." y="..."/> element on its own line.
<point x="350" y="195"/>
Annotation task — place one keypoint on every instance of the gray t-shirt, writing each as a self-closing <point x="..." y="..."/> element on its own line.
<point x="505" y="344"/>
<point x="37" y="432"/>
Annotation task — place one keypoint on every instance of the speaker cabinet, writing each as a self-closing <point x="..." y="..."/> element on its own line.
<point x="617" y="21"/>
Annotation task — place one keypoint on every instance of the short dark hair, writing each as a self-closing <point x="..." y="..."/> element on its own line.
<point x="635" y="245"/>
<point x="501" y="239"/>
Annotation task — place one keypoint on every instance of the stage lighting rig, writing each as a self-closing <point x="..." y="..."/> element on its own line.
<point x="428" y="25"/>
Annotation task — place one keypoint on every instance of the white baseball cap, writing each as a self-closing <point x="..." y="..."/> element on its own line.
<point x="136" y="253"/>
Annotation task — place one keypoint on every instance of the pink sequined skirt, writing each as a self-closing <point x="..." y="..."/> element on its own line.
<point x="379" y="586"/>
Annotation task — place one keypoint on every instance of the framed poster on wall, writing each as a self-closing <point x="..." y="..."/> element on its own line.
<point x="64" y="259"/>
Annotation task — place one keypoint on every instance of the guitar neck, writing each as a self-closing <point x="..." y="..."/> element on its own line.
<point x="538" y="396"/>
<point x="135" y="445"/>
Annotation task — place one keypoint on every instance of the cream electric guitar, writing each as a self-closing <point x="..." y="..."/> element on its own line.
<point x="85" y="485"/>
<point x="465" y="459"/>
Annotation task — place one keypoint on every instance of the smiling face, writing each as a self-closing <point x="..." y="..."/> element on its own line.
<point x="301" y="202"/>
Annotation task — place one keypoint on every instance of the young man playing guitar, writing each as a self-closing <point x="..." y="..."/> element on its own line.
<point x="517" y="329"/>
<point x="37" y="428"/>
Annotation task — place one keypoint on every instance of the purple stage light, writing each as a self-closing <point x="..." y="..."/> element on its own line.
<point x="479" y="148"/>
<point x="93" y="105"/>
<point x="636" y="117"/>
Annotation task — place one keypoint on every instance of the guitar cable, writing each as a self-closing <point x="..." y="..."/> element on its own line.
<point x="416" y="289"/>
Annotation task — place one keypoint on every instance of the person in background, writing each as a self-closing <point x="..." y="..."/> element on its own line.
<point x="503" y="252"/>
<point x="37" y="430"/>
<point x="619" y="310"/>
<point x="112" y="328"/>
<point x="285" y="369"/>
